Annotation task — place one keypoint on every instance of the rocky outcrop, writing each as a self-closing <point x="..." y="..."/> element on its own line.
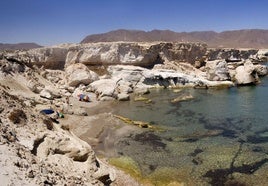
<point x="112" y="53"/>
<point x="104" y="88"/>
<point x="137" y="78"/>
<point x="49" y="57"/>
<point x="217" y="70"/>
<point x="246" y="74"/>
<point x="127" y="53"/>
<point x="172" y="66"/>
<point x="79" y="74"/>
<point x="231" y="55"/>
<point x="131" y="53"/>
<point x="139" y="54"/>
<point x="262" y="55"/>
<point x="39" y="148"/>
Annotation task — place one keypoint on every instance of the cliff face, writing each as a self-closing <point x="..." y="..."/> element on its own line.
<point x="140" y="54"/>
<point x="129" y="53"/>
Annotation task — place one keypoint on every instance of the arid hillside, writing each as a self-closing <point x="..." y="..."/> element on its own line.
<point x="18" y="46"/>
<point x="253" y="38"/>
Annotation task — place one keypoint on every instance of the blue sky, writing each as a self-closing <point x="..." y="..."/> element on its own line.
<point x="49" y="22"/>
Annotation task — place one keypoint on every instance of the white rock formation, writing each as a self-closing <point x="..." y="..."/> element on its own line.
<point x="79" y="74"/>
<point x="104" y="88"/>
<point x="50" y="57"/>
<point x="262" y="70"/>
<point x="217" y="70"/>
<point x="111" y="53"/>
<point x="246" y="74"/>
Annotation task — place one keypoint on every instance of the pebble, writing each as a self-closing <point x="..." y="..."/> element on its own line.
<point x="30" y="174"/>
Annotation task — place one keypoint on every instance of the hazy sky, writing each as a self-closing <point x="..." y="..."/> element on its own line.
<point x="49" y="22"/>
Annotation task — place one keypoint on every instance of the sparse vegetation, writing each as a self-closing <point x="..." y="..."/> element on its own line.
<point x="17" y="115"/>
<point x="48" y="123"/>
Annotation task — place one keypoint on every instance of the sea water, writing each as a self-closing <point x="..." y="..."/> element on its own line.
<point x="220" y="137"/>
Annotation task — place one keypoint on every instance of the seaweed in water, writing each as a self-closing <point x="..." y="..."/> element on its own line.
<point x="190" y="140"/>
<point x="150" y="139"/>
<point x="226" y="131"/>
<point x="257" y="138"/>
<point x="196" y="152"/>
<point x="221" y="177"/>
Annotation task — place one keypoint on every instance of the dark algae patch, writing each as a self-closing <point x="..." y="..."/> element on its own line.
<point x="223" y="177"/>
<point x="150" y="139"/>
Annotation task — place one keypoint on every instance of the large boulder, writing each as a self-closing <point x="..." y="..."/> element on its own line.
<point x="246" y="74"/>
<point x="79" y="74"/>
<point x="104" y="88"/>
<point x="217" y="70"/>
<point x="262" y="55"/>
<point x="50" y="93"/>
<point x="261" y="70"/>
<point x="127" y="73"/>
<point x="34" y="86"/>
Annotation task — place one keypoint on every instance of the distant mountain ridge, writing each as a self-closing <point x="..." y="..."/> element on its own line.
<point x="247" y="38"/>
<point x="18" y="46"/>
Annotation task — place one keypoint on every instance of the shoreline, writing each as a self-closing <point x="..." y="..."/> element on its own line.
<point x="101" y="127"/>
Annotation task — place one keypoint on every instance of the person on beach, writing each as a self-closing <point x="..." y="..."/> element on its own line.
<point x="83" y="97"/>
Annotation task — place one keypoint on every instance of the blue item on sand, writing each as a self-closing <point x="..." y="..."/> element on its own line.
<point x="47" y="111"/>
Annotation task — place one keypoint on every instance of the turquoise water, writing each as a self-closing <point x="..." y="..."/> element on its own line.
<point x="220" y="137"/>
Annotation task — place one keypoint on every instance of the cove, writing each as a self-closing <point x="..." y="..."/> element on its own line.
<point x="220" y="137"/>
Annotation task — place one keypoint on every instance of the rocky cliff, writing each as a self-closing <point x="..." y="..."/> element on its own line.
<point x="129" y="53"/>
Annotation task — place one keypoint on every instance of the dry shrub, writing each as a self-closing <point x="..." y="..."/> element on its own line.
<point x="17" y="115"/>
<point x="65" y="127"/>
<point x="48" y="123"/>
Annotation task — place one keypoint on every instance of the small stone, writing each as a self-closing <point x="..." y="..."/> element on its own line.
<point x="30" y="174"/>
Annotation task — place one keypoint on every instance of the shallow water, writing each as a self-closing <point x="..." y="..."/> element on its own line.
<point x="218" y="138"/>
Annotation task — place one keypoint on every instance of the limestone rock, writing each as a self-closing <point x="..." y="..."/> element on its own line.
<point x="246" y="74"/>
<point x="123" y="97"/>
<point x="183" y="97"/>
<point x="50" y="57"/>
<point x="33" y="86"/>
<point x="124" y="87"/>
<point x="217" y="70"/>
<point x="49" y="93"/>
<point x="111" y="53"/>
<point x="183" y="52"/>
<point x="104" y="87"/>
<point x="142" y="79"/>
<point x="79" y="74"/>
<point x="262" y="70"/>
<point x="262" y="55"/>
<point x="231" y="54"/>
<point x="127" y="73"/>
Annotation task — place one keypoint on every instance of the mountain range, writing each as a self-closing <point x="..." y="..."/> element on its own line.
<point x="18" y="46"/>
<point x="247" y="38"/>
